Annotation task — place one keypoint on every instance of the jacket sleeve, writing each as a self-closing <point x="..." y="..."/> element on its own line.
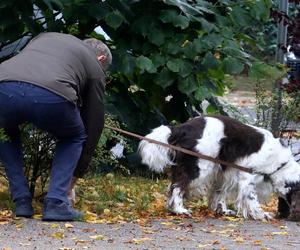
<point x="92" y="114"/>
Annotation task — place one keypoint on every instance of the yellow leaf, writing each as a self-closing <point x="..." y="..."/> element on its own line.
<point x="58" y="235"/>
<point x="54" y="225"/>
<point x="148" y="231"/>
<point x="97" y="237"/>
<point x="106" y="211"/>
<point x="37" y="216"/>
<point x="232" y="218"/>
<point x="89" y="217"/>
<point x="168" y="223"/>
<point x="69" y="225"/>
<point x="140" y="241"/>
<point x="66" y="248"/>
<point x="82" y="241"/>
<point x="279" y="233"/>
<point x="204" y="245"/>
<point x="239" y="240"/>
<point x="257" y="242"/>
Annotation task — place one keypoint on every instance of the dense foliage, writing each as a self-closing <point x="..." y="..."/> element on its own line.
<point x="168" y="55"/>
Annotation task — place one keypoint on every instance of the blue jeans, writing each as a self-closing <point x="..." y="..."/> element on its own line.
<point x="24" y="102"/>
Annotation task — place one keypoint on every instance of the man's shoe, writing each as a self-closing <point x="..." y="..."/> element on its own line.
<point x="57" y="210"/>
<point x="23" y="207"/>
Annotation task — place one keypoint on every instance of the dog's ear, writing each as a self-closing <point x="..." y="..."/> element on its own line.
<point x="176" y="135"/>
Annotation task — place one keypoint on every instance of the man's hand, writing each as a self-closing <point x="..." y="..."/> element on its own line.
<point x="71" y="192"/>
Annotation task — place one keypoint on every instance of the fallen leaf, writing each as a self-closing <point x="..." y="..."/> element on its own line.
<point x="89" y="230"/>
<point x="37" y="216"/>
<point x="54" y="225"/>
<point x="97" y="237"/>
<point x="279" y="233"/>
<point x="69" y="225"/>
<point x="138" y="241"/>
<point x="257" y="242"/>
<point x="58" y="235"/>
<point x="239" y="240"/>
<point x="19" y="225"/>
<point x="146" y="231"/>
<point x="106" y="211"/>
<point x="168" y="223"/>
<point x="82" y="242"/>
<point x="204" y="245"/>
<point x="24" y="244"/>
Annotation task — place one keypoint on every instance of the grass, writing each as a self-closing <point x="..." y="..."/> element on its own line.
<point x="114" y="198"/>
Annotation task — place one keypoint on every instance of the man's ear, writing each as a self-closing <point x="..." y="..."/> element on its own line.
<point x="102" y="58"/>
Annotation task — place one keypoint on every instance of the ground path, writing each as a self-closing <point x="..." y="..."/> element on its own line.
<point x="158" y="234"/>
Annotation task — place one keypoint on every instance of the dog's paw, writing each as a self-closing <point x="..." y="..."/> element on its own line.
<point x="182" y="211"/>
<point x="228" y="212"/>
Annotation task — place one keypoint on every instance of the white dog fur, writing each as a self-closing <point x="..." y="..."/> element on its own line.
<point x="229" y="140"/>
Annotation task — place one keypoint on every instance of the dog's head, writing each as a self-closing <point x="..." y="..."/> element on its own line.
<point x="289" y="194"/>
<point x="290" y="207"/>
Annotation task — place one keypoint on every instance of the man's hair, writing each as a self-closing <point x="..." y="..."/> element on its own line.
<point x="101" y="49"/>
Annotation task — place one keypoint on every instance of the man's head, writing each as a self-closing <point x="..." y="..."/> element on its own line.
<point x="102" y="51"/>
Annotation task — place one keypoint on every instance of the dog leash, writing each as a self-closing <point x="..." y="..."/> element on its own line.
<point x="183" y="150"/>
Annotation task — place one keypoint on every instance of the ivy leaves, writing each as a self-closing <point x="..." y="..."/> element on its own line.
<point x="177" y="47"/>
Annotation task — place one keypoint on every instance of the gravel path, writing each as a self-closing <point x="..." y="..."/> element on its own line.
<point x="157" y="234"/>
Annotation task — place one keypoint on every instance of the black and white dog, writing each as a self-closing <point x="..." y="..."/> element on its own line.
<point x="276" y="171"/>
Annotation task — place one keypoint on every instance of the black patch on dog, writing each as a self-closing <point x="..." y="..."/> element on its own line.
<point x="283" y="209"/>
<point x="186" y="136"/>
<point x="241" y="140"/>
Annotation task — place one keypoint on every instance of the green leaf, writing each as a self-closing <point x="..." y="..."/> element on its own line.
<point x="201" y="93"/>
<point x="158" y="60"/>
<point x="240" y="16"/>
<point x="187" y="85"/>
<point x="98" y="10"/>
<point x="165" y="78"/>
<point x="209" y="61"/>
<point x="207" y="26"/>
<point x="211" y="109"/>
<point x="171" y="16"/>
<point x="156" y="36"/>
<point x="185" y="69"/>
<point x="114" y="19"/>
<point x="232" y="66"/>
<point x="145" y="64"/>
<point x="174" y="65"/>
<point x="125" y="63"/>
<point x="260" y="10"/>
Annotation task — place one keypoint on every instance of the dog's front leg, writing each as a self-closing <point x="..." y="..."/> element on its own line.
<point x="247" y="202"/>
<point x="178" y="190"/>
<point x="175" y="200"/>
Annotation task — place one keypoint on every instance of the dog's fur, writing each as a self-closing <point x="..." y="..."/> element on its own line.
<point x="231" y="141"/>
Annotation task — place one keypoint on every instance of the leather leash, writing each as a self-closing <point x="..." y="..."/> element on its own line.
<point x="183" y="150"/>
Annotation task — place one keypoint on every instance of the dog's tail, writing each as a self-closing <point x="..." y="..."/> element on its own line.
<point x="155" y="156"/>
